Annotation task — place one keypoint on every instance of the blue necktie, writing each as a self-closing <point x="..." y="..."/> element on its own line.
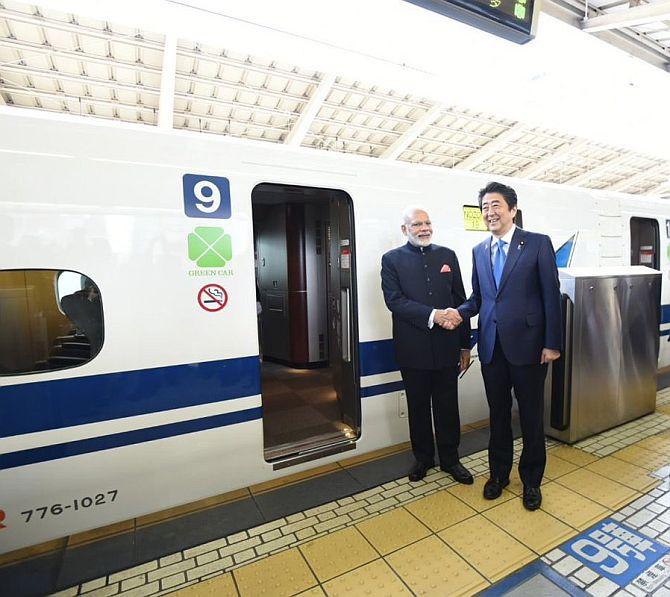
<point x="499" y="262"/>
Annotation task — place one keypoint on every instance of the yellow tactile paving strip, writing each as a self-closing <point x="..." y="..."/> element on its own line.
<point x="623" y="472"/>
<point x="570" y="507"/>
<point x="538" y="530"/>
<point x="375" y="578"/>
<point x="486" y="547"/>
<point x="578" y="457"/>
<point x="337" y="553"/>
<point x="557" y="467"/>
<point x="440" y="510"/>
<point x="638" y="456"/>
<point x="285" y="573"/>
<point x="600" y="489"/>
<point x="429" y="567"/>
<point x="393" y="530"/>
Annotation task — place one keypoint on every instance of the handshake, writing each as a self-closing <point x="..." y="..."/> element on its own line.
<point x="449" y="319"/>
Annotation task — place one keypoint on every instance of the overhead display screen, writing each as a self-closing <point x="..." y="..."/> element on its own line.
<point x="514" y="20"/>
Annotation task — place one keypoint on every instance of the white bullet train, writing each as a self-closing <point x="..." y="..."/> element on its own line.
<point x="184" y="314"/>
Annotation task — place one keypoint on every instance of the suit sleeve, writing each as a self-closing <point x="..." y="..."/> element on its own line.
<point x="551" y="295"/>
<point x="411" y="311"/>
<point x="458" y="292"/>
<point x="470" y="308"/>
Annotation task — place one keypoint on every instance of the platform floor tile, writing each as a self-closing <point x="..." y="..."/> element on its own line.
<point x="639" y="456"/>
<point x="656" y="443"/>
<point x="219" y="586"/>
<point x="557" y="467"/>
<point x="375" y="578"/>
<point x="285" y="573"/>
<point x="393" y="530"/>
<point x="472" y="494"/>
<point x="623" y="472"/>
<point x="538" y="530"/>
<point x="313" y="592"/>
<point x="338" y="553"/>
<point x="573" y="455"/>
<point x="440" y="510"/>
<point x="429" y="567"/>
<point x="486" y="547"/>
<point x="516" y="486"/>
<point x="570" y="507"/>
<point x="600" y="489"/>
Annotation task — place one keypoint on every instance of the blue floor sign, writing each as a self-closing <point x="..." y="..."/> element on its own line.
<point x="621" y="554"/>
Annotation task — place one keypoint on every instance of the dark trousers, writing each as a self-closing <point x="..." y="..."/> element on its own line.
<point x="438" y="388"/>
<point x="500" y="376"/>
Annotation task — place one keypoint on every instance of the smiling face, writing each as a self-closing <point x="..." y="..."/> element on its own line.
<point x="418" y="228"/>
<point x="496" y="214"/>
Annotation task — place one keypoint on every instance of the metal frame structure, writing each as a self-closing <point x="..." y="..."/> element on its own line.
<point x="62" y="63"/>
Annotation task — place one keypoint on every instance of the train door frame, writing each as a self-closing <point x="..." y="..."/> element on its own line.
<point x="636" y="247"/>
<point x="345" y="253"/>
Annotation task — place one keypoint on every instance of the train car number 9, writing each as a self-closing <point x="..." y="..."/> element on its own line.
<point x="206" y="196"/>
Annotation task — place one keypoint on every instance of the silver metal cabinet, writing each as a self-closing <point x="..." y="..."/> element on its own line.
<point x="607" y="372"/>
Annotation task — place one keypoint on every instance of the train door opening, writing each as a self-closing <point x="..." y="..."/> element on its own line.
<point x="644" y="242"/>
<point x="307" y="320"/>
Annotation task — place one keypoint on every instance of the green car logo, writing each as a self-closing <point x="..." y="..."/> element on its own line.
<point x="209" y="247"/>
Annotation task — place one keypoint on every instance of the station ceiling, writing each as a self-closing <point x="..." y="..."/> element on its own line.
<point x="66" y="63"/>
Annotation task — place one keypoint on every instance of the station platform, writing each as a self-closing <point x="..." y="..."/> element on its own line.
<point x="360" y="528"/>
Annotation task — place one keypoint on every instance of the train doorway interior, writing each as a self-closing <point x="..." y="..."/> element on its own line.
<point x="305" y="284"/>
<point x="644" y="242"/>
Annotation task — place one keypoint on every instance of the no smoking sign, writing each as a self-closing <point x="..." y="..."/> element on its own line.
<point x="212" y="297"/>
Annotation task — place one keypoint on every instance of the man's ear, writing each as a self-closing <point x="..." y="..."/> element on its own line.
<point x="404" y="229"/>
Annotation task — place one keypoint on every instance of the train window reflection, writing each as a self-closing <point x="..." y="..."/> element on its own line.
<point x="49" y="320"/>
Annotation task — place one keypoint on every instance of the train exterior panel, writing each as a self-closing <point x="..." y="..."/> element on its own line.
<point x="170" y="409"/>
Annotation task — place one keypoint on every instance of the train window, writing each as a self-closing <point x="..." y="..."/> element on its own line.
<point x="49" y="320"/>
<point x="644" y="242"/>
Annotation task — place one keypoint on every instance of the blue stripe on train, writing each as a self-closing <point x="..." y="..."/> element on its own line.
<point x="127" y="438"/>
<point x="31" y="407"/>
<point x="379" y="356"/>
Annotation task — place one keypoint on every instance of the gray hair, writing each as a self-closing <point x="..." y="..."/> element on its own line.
<point x="409" y="211"/>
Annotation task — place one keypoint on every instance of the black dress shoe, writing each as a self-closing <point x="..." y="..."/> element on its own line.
<point x="459" y="473"/>
<point x="493" y="488"/>
<point x="418" y="471"/>
<point x="532" y="498"/>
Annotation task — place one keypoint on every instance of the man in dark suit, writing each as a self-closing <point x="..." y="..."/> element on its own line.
<point x="420" y="280"/>
<point x="515" y="290"/>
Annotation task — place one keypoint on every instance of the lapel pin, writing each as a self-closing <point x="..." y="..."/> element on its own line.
<point x="520" y="245"/>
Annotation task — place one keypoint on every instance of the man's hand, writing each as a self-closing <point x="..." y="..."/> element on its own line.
<point x="465" y="359"/>
<point x="548" y="355"/>
<point x="452" y="319"/>
<point x="440" y="317"/>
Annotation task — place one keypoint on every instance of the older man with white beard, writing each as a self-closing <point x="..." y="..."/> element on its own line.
<point x="420" y="281"/>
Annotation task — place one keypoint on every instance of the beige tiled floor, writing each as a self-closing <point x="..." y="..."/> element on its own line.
<point x="285" y="573"/>
<point x="600" y="489"/>
<point x="570" y="507"/>
<point x="375" y="578"/>
<point x="440" y="510"/>
<point x="430" y="567"/>
<point x="486" y="547"/>
<point x="623" y="472"/>
<point x="538" y="530"/>
<point x="337" y="553"/>
<point x="393" y="530"/>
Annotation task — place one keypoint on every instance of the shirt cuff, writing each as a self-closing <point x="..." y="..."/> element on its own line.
<point x="431" y="321"/>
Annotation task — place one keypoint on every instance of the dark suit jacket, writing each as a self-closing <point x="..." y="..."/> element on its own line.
<point x="413" y="286"/>
<point x="525" y="311"/>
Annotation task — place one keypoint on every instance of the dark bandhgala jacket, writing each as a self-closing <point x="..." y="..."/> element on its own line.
<point x="415" y="281"/>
